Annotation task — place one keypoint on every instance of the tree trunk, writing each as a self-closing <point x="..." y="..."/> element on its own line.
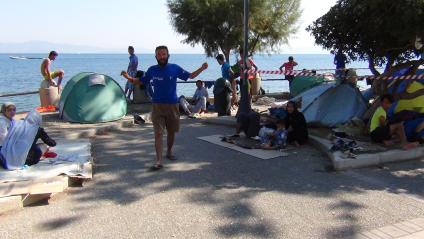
<point x="227" y="55"/>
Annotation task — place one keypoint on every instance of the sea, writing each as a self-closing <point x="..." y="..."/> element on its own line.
<point x="23" y="75"/>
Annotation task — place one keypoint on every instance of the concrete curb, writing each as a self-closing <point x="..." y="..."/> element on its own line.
<point x="365" y="160"/>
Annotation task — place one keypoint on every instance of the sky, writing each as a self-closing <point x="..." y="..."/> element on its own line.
<point x="113" y="25"/>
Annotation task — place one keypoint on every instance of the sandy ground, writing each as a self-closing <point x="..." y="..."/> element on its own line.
<point x="214" y="192"/>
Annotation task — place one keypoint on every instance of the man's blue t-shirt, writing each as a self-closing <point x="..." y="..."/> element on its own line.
<point x="225" y="69"/>
<point x="132" y="66"/>
<point x="165" y="82"/>
<point x="340" y="60"/>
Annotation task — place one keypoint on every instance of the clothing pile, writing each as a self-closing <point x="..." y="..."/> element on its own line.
<point x="346" y="147"/>
<point x="265" y="101"/>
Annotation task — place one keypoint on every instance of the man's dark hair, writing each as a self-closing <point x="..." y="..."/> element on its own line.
<point x="53" y="53"/>
<point x="220" y="57"/>
<point x="199" y="81"/>
<point x="161" y="48"/>
<point x="131" y="48"/>
<point x="291" y="58"/>
<point x="388" y="97"/>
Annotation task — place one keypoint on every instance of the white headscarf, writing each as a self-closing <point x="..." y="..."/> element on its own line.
<point x="20" y="139"/>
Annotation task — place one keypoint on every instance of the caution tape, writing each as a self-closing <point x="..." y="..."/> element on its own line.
<point x="308" y="73"/>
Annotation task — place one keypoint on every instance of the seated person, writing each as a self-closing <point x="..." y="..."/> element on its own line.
<point x="273" y="139"/>
<point x="48" y="75"/>
<point x="414" y="129"/>
<point x="19" y="138"/>
<point x="296" y="125"/>
<point x="198" y="103"/>
<point x="381" y="131"/>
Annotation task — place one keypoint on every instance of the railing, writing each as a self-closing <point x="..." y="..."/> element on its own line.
<point x="19" y="93"/>
<point x="36" y="92"/>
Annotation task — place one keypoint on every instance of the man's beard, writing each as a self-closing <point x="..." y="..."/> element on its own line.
<point x="163" y="62"/>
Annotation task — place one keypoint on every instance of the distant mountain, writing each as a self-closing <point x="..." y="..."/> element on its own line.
<point x="43" y="47"/>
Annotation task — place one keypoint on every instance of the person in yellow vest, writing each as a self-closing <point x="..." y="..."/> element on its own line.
<point x="380" y="129"/>
<point x="48" y="75"/>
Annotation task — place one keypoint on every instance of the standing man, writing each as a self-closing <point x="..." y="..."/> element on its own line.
<point x="340" y="62"/>
<point x="288" y="70"/>
<point x="165" y="112"/>
<point x="132" y="71"/>
<point x="228" y="74"/>
<point x="48" y="75"/>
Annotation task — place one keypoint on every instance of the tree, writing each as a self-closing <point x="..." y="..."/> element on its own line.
<point x="382" y="32"/>
<point x="218" y="24"/>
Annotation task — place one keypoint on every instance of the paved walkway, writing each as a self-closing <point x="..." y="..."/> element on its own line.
<point x="214" y="192"/>
<point x="412" y="229"/>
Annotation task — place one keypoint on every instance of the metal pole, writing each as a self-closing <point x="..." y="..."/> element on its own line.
<point x="245" y="104"/>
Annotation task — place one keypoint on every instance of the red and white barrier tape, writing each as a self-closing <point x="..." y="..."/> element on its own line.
<point x="302" y="73"/>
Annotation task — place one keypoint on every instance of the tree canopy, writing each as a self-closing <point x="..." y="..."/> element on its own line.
<point x="218" y="24"/>
<point x="382" y="32"/>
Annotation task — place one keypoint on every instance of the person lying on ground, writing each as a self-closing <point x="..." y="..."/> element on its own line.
<point x="48" y="75"/>
<point x="19" y="147"/>
<point x="274" y="139"/>
<point x="165" y="110"/>
<point x="197" y="104"/>
<point x="380" y="129"/>
<point x="296" y="125"/>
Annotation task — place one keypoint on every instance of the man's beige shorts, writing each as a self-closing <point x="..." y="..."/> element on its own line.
<point x="166" y="116"/>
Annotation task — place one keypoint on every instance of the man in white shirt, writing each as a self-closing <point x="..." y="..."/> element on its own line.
<point x="198" y="103"/>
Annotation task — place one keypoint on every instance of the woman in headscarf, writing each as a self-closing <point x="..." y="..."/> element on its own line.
<point x="8" y="111"/>
<point x="296" y="125"/>
<point x="19" y="146"/>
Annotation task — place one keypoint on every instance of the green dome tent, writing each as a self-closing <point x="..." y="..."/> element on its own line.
<point x="92" y="98"/>
<point x="303" y="83"/>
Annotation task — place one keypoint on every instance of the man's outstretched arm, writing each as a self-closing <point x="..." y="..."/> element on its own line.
<point x="198" y="71"/>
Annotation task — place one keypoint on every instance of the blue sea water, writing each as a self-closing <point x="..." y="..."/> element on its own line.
<point x="24" y="75"/>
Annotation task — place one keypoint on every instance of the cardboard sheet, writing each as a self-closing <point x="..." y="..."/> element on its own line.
<point x="258" y="153"/>
<point x="74" y="159"/>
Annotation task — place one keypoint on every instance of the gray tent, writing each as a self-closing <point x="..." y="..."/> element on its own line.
<point x="331" y="104"/>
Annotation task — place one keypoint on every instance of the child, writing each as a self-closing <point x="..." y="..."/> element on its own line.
<point x="272" y="139"/>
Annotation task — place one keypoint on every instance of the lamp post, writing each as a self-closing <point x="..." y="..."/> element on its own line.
<point x="245" y="104"/>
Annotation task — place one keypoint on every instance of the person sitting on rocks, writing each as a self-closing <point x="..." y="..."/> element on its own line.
<point x="198" y="103"/>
